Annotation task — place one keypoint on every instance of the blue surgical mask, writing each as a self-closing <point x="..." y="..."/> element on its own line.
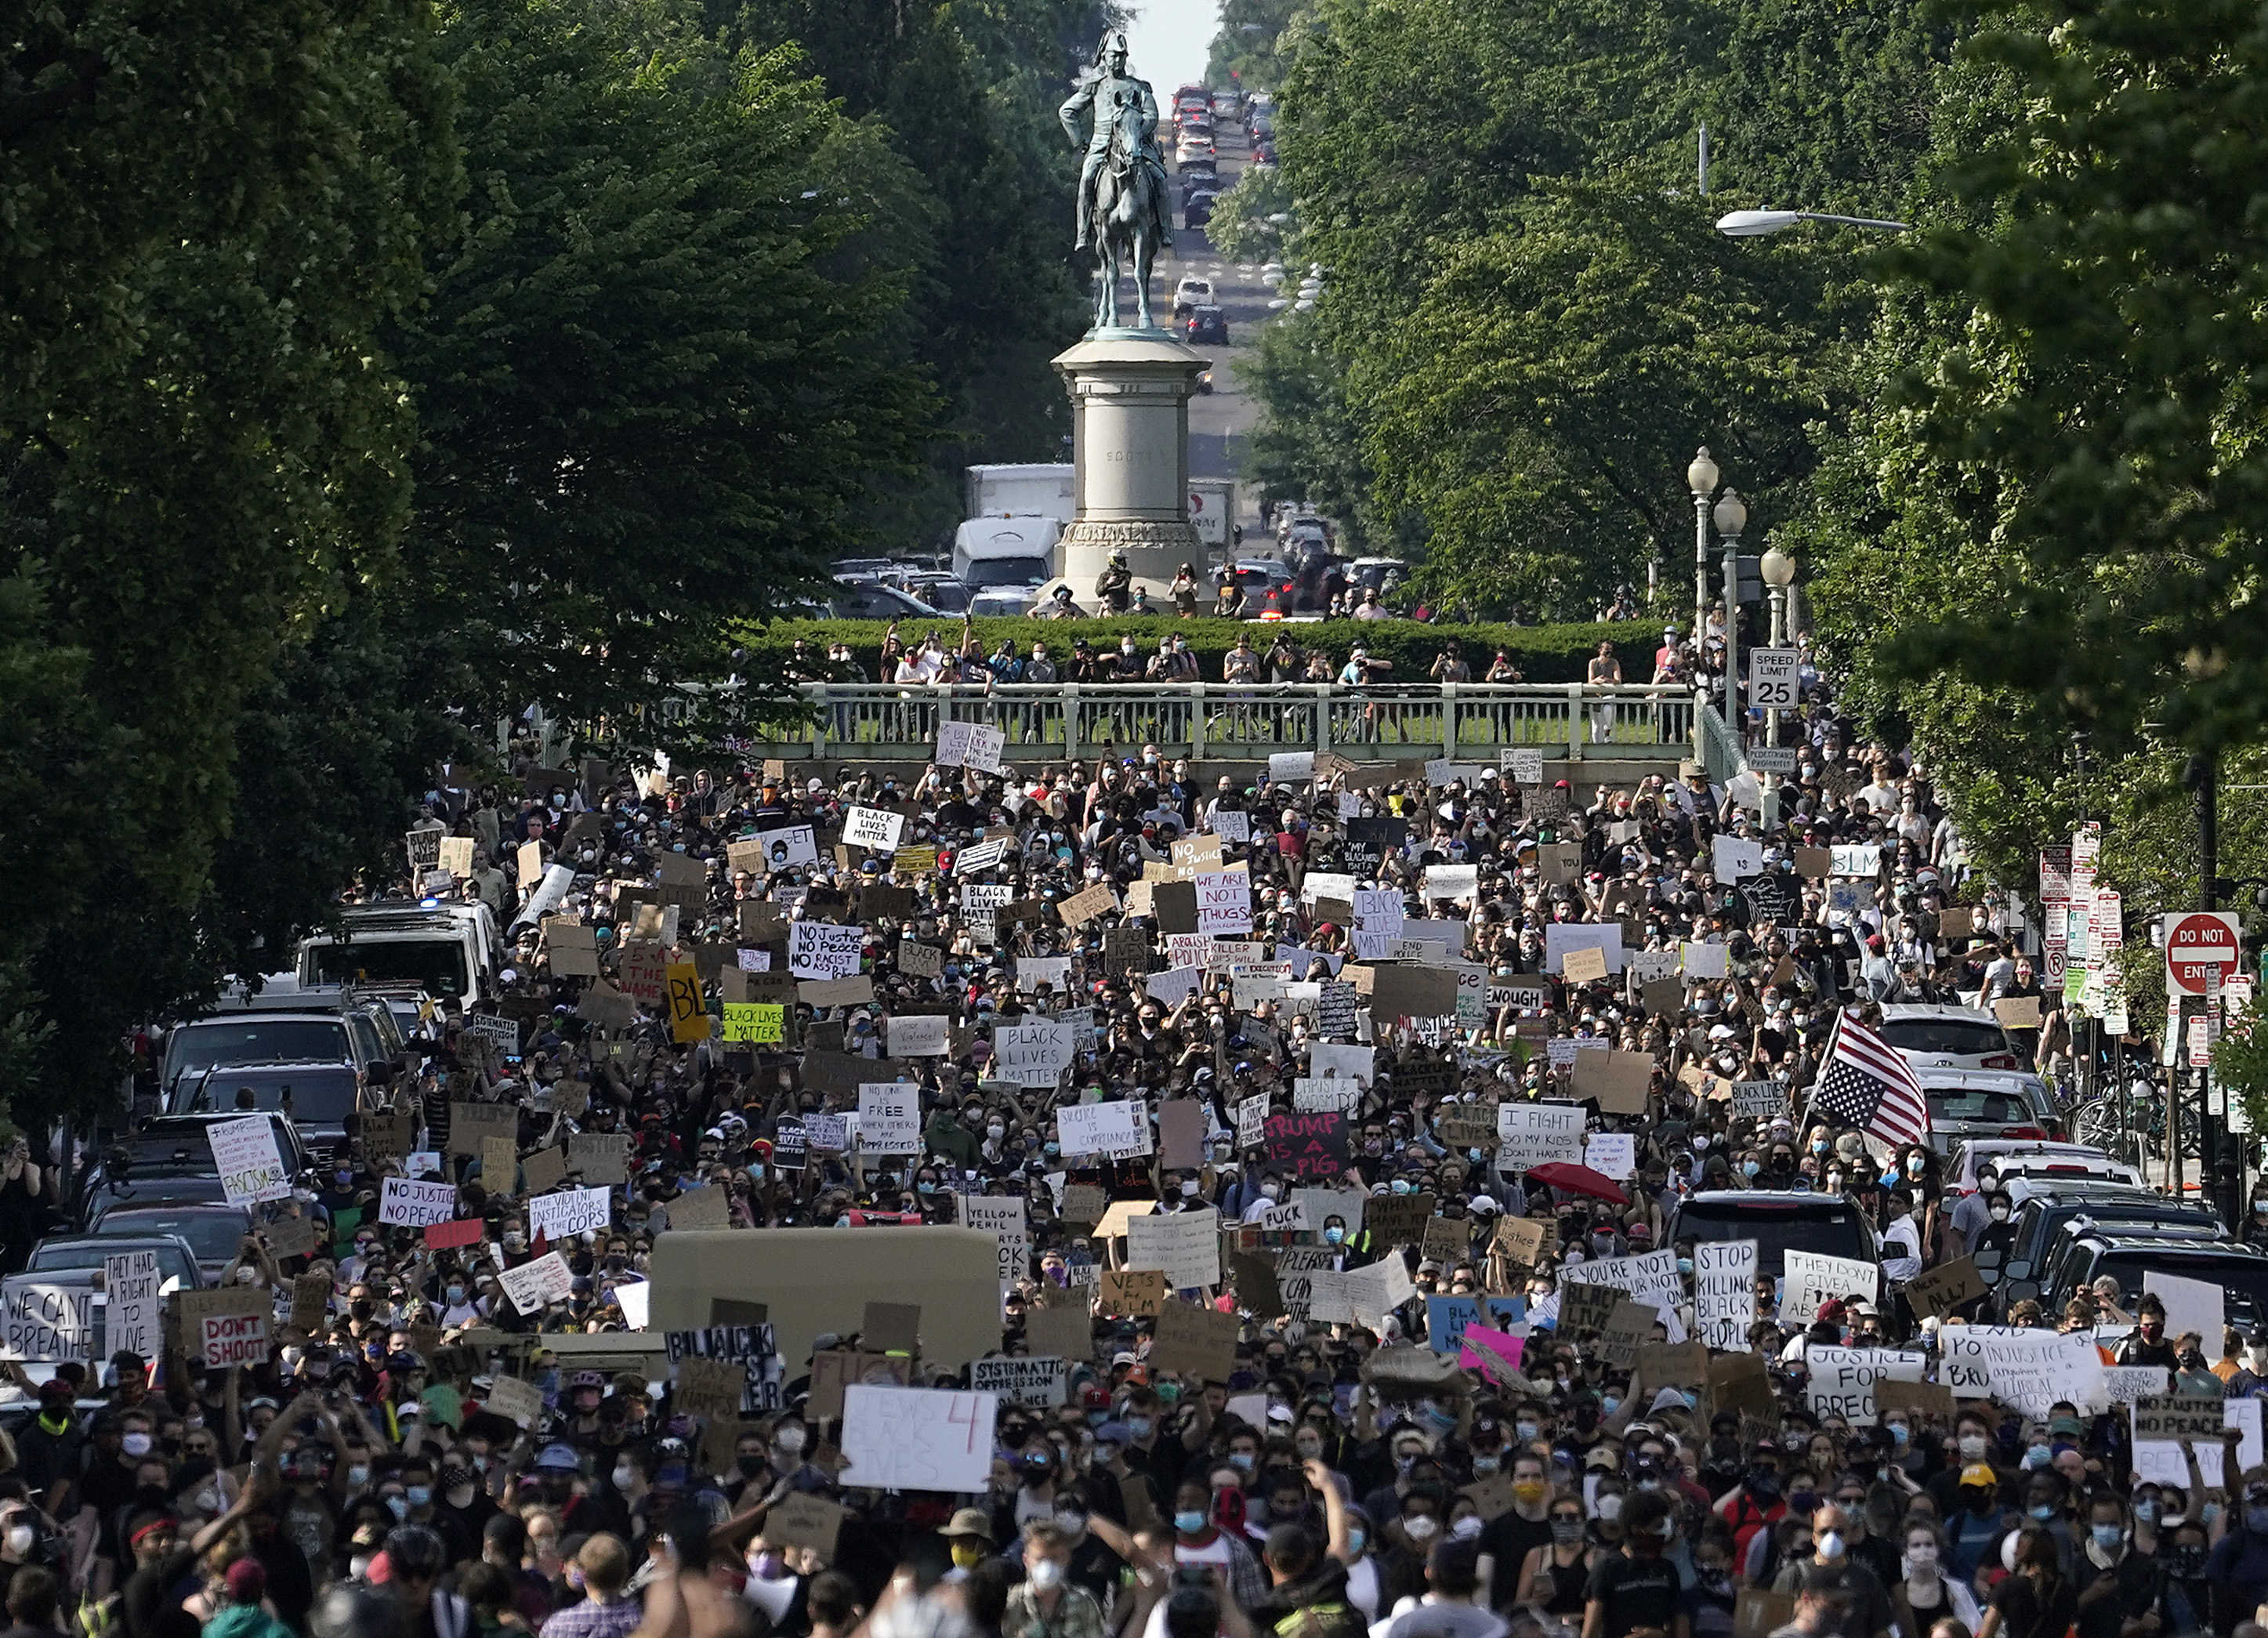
<point x="1748" y="1168"/>
<point x="1355" y="1540"/>
<point x="2043" y="1513"/>
<point x="1138" y="1426"/>
<point x="1401" y="1185"/>
<point x="1608" y="1406"/>
<point x="1685" y="1265"/>
<point x="1189" y="1523"/>
<point x="1334" y="1235"/>
<point x="2107" y="1535"/>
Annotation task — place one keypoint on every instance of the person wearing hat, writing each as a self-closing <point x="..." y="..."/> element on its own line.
<point x="236" y="1596"/>
<point x="969" y="1537"/>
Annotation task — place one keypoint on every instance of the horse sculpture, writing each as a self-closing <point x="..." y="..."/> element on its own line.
<point x="1128" y="212"/>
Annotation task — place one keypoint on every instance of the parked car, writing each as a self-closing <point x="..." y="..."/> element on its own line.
<point x="2013" y="1157"/>
<point x="319" y="1025"/>
<point x="318" y="1099"/>
<point x="1190" y="293"/>
<point x="59" y="1256"/>
<point x="1966" y="1104"/>
<point x="213" y="1230"/>
<point x="858" y="598"/>
<point x="1002" y="602"/>
<point x="1942" y="1037"/>
<point x="2047" y="1209"/>
<point x="1779" y="1222"/>
<point x="169" y="1162"/>
<point x="1208" y="324"/>
<point x="2239" y="1271"/>
<point x="944" y="592"/>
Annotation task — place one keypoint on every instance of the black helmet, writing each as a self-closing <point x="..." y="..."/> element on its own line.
<point x="415" y="1550"/>
<point x="349" y="1611"/>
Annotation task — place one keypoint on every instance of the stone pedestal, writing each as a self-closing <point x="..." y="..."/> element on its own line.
<point x="1130" y="396"/>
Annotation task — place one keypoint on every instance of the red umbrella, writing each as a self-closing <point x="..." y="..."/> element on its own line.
<point x="1577" y="1180"/>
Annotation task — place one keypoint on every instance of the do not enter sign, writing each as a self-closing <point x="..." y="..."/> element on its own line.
<point x="2198" y="944"/>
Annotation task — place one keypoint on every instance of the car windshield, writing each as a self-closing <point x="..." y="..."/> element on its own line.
<point x="56" y="1255"/>
<point x="1005" y="572"/>
<point x="256" y="1041"/>
<point x="2244" y="1277"/>
<point x="1799" y="1224"/>
<point x="435" y="965"/>
<point x="1956" y="1038"/>
<point x="213" y="1235"/>
<point x="952" y="596"/>
<point x="326" y="1096"/>
<point x="1987" y="1108"/>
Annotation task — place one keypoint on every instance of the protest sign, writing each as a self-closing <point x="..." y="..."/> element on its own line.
<point x="462" y="1231"/>
<point x="875" y="829"/>
<point x="1843" y="1379"/>
<point x="823" y="949"/>
<point x="1943" y="1289"/>
<point x="889" y="1118"/>
<point x="1628" y="1325"/>
<point x="603" y="1158"/>
<point x="569" y="1212"/>
<point x="1308" y="1145"/>
<point x="472" y="1124"/>
<point x="1397" y="1219"/>
<point x="2191" y="1304"/>
<point x="1184" y="1246"/>
<point x="1519" y="1241"/>
<point x="1651" y="1277"/>
<point x="1758" y="1100"/>
<point x="1122" y="1292"/>
<point x="1586" y="1307"/>
<point x="1001" y="1216"/>
<point x="1742" y="1382"/>
<point x="2178" y="1416"/>
<point x="1446" y="1317"/>
<point x="1032" y="1054"/>
<point x="1724" y="1292"/>
<point x="1814" y="1278"/>
<point x="414" y="1203"/>
<point x="250" y="1165"/>
<point x="1533" y="1135"/>
<point x="533" y="1284"/>
<point x="1618" y="1080"/>
<point x="227" y="1326"/>
<point x="1611" y="1153"/>
<point x="1376" y="1290"/>
<point x="1102" y="1129"/>
<point x="920" y="1035"/>
<point x="917" y="1438"/>
<point x="40" y="1321"/>
<point x="1198" y="1343"/>
<point x="544" y="1170"/>
<point x="969" y="745"/>
<point x="699" y="1208"/>
<point x="133" y="1313"/>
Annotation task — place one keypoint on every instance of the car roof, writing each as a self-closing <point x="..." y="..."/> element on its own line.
<point x="1895" y="1012"/>
<point x="2115" y="1195"/>
<point x="1208" y="307"/>
<point x="1950" y="1077"/>
<point x="1764" y="1197"/>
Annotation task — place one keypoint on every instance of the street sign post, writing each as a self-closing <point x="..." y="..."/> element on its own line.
<point x="1772" y="678"/>
<point x="2204" y="949"/>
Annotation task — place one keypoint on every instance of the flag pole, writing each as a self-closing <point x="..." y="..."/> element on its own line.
<point x="1811" y="1098"/>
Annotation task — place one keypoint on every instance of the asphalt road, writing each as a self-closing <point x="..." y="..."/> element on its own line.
<point x="1221" y="421"/>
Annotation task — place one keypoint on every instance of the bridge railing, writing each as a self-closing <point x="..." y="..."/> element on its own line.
<point x="1222" y="721"/>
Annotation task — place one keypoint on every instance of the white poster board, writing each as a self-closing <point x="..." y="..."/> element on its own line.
<point x="917" y="1438"/>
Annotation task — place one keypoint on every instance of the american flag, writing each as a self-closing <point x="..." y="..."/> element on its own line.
<point x="1868" y="1084"/>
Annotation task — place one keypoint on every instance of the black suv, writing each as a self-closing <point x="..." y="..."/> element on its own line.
<point x="1208" y="324"/>
<point x="1779" y="1221"/>
<point x="170" y="1161"/>
<point x="2239" y="1271"/>
<point x="2037" y="1228"/>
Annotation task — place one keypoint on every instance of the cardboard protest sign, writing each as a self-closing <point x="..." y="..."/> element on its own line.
<point x="2178" y="1416"/>
<point x="1067" y="1332"/>
<point x="1199" y="1343"/>
<point x="1628" y="1325"/>
<point x="800" y="1520"/>
<point x="1129" y="1293"/>
<point x="699" y="1208"/>
<point x="533" y="1284"/>
<point x="1814" y="1278"/>
<point x="1742" y="1382"/>
<point x="1724" y="1292"/>
<point x="544" y="1170"/>
<point x="470" y="1124"/>
<point x="602" y="1157"/>
<point x="134" y="1312"/>
<point x="224" y="1327"/>
<point x="40" y="1321"/>
<point x="1757" y="1613"/>
<point x="1943" y="1289"/>
<point x="1184" y="1246"/>
<point x="514" y="1401"/>
<point x="891" y="1327"/>
<point x="1843" y="1379"/>
<point x="1617" y="1079"/>
<point x="1584" y="1306"/>
<point x="569" y="1212"/>
<point x="1924" y="1398"/>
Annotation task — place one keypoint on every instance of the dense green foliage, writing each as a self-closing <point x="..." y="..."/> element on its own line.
<point x="374" y="368"/>
<point x="1529" y="323"/>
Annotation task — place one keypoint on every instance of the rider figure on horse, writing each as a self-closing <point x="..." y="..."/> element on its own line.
<point x="1105" y="87"/>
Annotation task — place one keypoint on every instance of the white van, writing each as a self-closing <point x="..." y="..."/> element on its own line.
<point x="451" y="950"/>
<point x="1016" y="552"/>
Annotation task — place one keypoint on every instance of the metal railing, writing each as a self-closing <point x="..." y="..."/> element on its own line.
<point x="1226" y="721"/>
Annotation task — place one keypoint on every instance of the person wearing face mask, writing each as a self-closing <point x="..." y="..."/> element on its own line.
<point x="2035" y="1597"/>
<point x="1047" y="1603"/>
<point x="1973" y="1448"/>
<point x="1636" y="1587"/>
<point x="1520" y="1530"/>
<point x="1870" y="1614"/>
<point x="1557" y="1573"/>
<point x="2238" y="1570"/>
<point x="1709" y="1603"/>
<point x="2116" y="1586"/>
<point x="1923" y="1591"/>
<point x="160" y="1558"/>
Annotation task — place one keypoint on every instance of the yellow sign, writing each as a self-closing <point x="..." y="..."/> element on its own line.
<point x="754" y="1021"/>
<point x="689" y="1017"/>
<point x="914" y="861"/>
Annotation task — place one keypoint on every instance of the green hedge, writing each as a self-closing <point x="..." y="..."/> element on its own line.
<point x="1545" y="653"/>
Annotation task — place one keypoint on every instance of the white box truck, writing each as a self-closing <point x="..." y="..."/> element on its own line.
<point x="1212" y="510"/>
<point x="1049" y="490"/>
<point x="1004" y="560"/>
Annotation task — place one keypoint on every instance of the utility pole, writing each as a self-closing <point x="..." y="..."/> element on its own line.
<point x="2205" y="776"/>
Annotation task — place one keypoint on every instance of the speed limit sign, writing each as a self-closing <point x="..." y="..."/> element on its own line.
<point x="1772" y="678"/>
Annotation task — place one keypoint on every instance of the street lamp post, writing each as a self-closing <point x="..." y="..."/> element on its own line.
<point x="1754" y="223"/>
<point x="1701" y="478"/>
<point x="1779" y="571"/>
<point x="1731" y="516"/>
